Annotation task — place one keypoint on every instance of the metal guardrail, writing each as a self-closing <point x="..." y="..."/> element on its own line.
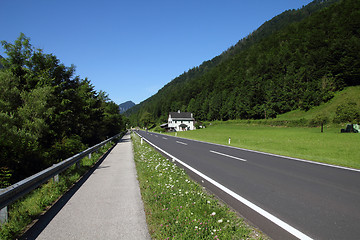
<point x="19" y="189"/>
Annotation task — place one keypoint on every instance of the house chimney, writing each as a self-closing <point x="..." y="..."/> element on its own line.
<point x="178" y="111"/>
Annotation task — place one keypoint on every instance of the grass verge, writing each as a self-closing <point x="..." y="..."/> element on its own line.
<point x="178" y="208"/>
<point x="27" y="209"/>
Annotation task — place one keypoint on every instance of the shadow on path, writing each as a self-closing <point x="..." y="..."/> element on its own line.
<point x="34" y="231"/>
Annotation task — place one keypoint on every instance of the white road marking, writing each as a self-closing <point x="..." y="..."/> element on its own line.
<point x="223" y="154"/>
<point x="165" y="138"/>
<point x="181" y="143"/>
<point x="251" y="205"/>
<point x="277" y="155"/>
<point x="156" y="136"/>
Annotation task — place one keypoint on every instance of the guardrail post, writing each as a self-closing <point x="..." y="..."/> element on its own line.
<point x="89" y="156"/>
<point x="3" y="215"/>
<point x="56" y="178"/>
<point x="142" y="141"/>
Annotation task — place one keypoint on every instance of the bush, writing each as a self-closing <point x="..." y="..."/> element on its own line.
<point x="347" y="112"/>
<point x="158" y="129"/>
<point x="67" y="147"/>
<point x="5" y="175"/>
<point x="319" y="120"/>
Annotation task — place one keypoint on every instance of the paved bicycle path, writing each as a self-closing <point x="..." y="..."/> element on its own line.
<point x="107" y="206"/>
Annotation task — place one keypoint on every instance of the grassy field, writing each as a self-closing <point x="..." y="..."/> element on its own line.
<point x="330" y="147"/>
<point x="178" y="208"/>
<point x="349" y="94"/>
<point x="289" y="134"/>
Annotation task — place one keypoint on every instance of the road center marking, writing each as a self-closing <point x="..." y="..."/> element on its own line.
<point x="164" y="138"/>
<point x="181" y="143"/>
<point x="223" y="154"/>
<point x="251" y="205"/>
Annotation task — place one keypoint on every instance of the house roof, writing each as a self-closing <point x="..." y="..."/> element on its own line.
<point x="181" y="115"/>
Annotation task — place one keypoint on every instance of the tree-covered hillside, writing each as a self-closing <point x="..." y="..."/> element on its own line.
<point x="46" y="113"/>
<point x="1" y="66"/>
<point x="295" y="61"/>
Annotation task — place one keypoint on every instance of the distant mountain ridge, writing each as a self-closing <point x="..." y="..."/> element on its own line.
<point x="123" y="107"/>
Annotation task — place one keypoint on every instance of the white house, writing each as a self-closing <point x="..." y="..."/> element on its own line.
<point x="180" y="121"/>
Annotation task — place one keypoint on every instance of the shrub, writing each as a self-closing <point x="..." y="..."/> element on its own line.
<point x="159" y="129"/>
<point x="347" y="112"/>
<point x="319" y="120"/>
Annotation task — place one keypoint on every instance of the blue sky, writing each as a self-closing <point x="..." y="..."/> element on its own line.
<point x="131" y="49"/>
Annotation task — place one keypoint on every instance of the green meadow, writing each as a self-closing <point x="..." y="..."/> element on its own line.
<point x="330" y="147"/>
<point x="292" y="134"/>
<point x="349" y="94"/>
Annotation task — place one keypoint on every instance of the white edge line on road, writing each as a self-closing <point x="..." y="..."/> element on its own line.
<point x="223" y="154"/>
<point x="251" y="205"/>
<point x="276" y="155"/>
<point x="182" y="143"/>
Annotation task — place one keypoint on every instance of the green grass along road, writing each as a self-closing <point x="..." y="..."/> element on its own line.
<point x="178" y="208"/>
<point x="331" y="147"/>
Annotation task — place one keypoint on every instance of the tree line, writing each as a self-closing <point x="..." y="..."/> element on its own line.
<point x="296" y="61"/>
<point x="46" y="112"/>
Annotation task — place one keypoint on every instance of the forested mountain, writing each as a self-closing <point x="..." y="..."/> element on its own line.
<point x="296" y="60"/>
<point x="1" y="66"/>
<point x="46" y="113"/>
<point x="123" y="107"/>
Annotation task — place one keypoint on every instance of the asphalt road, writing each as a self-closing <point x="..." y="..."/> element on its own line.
<point x="285" y="197"/>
